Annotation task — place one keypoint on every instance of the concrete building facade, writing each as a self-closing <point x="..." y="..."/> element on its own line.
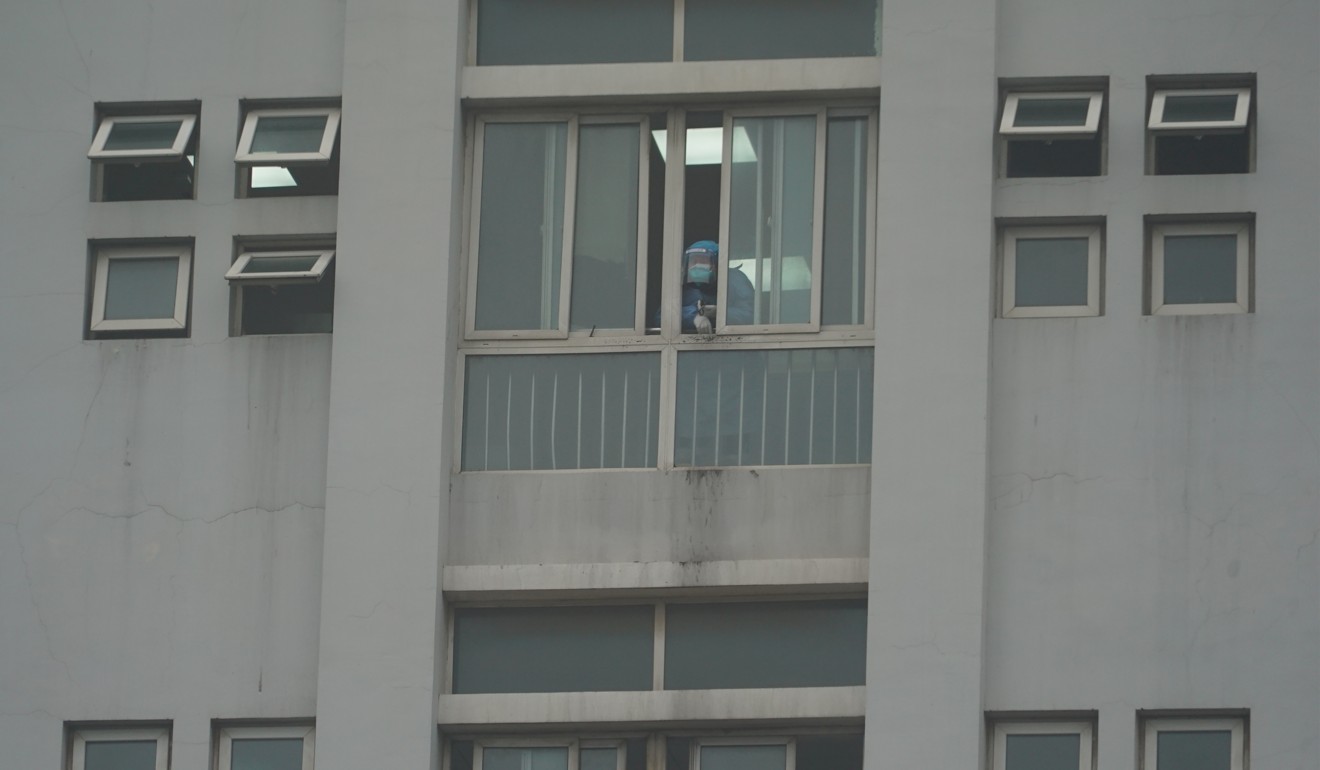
<point x="1071" y="474"/>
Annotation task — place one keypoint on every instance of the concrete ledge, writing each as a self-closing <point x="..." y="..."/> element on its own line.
<point x="759" y="576"/>
<point x="666" y="708"/>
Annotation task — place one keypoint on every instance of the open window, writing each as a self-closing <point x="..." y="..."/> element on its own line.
<point x="120" y="748"/>
<point x="139" y="290"/>
<point x="288" y="151"/>
<point x="1050" y="270"/>
<point x="144" y="152"/>
<point x="282" y="288"/>
<point x="1200" y="130"/>
<point x="1201" y="267"/>
<point x="1052" y="133"/>
<point x="267" y="747"/>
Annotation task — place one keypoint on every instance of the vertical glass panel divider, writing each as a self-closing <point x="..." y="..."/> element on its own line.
<point x="658" y="658"/>
<point x="818" y="219"/>
<point x="569" y="214"/>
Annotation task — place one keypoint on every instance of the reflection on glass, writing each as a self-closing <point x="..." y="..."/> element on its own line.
<point x="156" y="135"/>
<point x="599" y="758"/>
<point x="280" y="264"/>
<point x="266" y="754"/>
<point x="1200" y="269"/>
<point x="574" y="31"/>
<point x="293" y="133"/>
<point x="522" y="226"/>
<point x="715" y="30"/>
<point x="843" y="271"/>
<point x="1194" y="750"/>
<point x="605" y="228"/>
<point x="1195" y="108"/>
<point x="1051" y="272"/>
<point x="1043" y="751"/>
<point x="141" y="287"/>
<point x="1051" y="112"/>
<point x="120" y="755"/>
<point x="772" y="757"/>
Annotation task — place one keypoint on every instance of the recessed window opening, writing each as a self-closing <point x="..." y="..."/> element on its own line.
<point x="276" y="289"/>
<point x="267" y="747"/>
<point x="1194" y="743"/>
<point x="1052" y="134"/>
<point x="288" y="151"/>
<point x="1201" y="130"/>
<point x="144" y="156"/>
<point x="1042" y="744"/>
<point x="1200" y="268"/>
<point x="139" y="290"/>
<point x="1050" y="270"/>
<point x="129" y="748"/>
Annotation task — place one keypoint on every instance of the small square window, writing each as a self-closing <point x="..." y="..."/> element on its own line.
<point x="1050" y="271"/>
<point x="1051" y="134"/>
<point x="144" y="155"/>
<point x="139" y="289"/>
<point x="1205" y="743"/>
<point x="282" y="291"/>
<point x="289" y="151"/>
<point x="121" y="749"/>
<point x="1200" y="268"/>
<point x="1200" y="130"/>
<point x="267" y="747"/>
<point x="1042" y="745"/>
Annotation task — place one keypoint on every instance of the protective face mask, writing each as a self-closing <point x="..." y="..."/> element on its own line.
<point x="700" y="266"/>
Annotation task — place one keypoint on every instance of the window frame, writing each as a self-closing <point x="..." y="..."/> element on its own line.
<point x="1012" y="98"/>
<point x="1159" y="230"/>
<point x="788" y="742"/>
<point x="244" y="155"/>
<point x="1241" y="120"/>
<point x="187" y="124"/>
<point x="314" y="274"/>
<point x="83" y="736"/>
<point x="529" y="742"/>
<point x="229" y="733"/>
<point x="573" y="121"/>
<point x="105" y="253"/>
<point x="1009" y="235"/>
<point x="1153" y="726"/>
<point x="1003" y="728"/>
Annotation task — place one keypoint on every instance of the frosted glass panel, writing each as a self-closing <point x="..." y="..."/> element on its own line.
<point x="140" y="287"/>
<point x="553" y="649"/>
<point x="765" y="644"/>
<point x="1194" y="750"/>
<point x="773" y="407"/>
<point x="843" y="279"/>
<point x="574" y="31"/>
<point x="605" y="231"/>
<point x="1200" y="269"/>
<point x="779" y="29"/>
<point x="120" y="755"/>
<point x="502" y="758"/>
<point x="598" y="759"/>
<point x="522" y="226"/>
<point x="1051" y="272"/>
<point x="1195" y="108"/>
<point x="744" y="757"/>
<point x="1051" y="112"/>
<point x="561" y="411"/>
<point x="1042" y="752"/>
<point x="266" y="754"/>
<point x="771" y="209"/>
<point x="142" y="136"/>
<point x="296" y="133"/>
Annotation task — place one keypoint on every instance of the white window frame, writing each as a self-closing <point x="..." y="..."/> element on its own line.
<point x="81" y="737"/>
<point x="1152" y="727"/>
<point x="999" y="739"/>
<point x="1013" y="98"/>
<point x="1239" y="121"/>
<point x="573" y="123"/>
<point x="231" y="733"/>
<point x="187" y="122"/>
<point x="245" y="156"/>
<point x="1240" y="229"/>
<point x="789" y="743"/>
<point x="571" y="744"/>
<point x="312" y="275"/>
<point x="105" y="254"/>
<point x="1008" y="238"/>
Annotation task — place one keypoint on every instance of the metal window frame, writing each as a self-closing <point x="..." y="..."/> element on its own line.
<point x="1013" y="98"/>
<point x="329" y="135"/>
<point x="1241" y="230"/>
<point x="1152" y="727"/>
<point x="1008" y="238"/>
<point x="314" y="274"/>
<point x="230" y="733"/>
<point x="81" y="737"/>
<point x="187" y="122"/>
<point x="1084" y="728"/>
<point x="1240" y="121"/>
<point x="105" y="254"/>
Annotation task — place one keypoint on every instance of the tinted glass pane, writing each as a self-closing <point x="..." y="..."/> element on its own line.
<point x="843" y="279"/>
<point x="300" y="308"/>
<point x="154" y="181"/>
<point x="140" y="287"/>
<point x="773" y="407"/>
<point x="1194" y="750"/>
<point x="1200" y="269"/>
<point x="1051" y="112"/>
<point x="574" y="31"/>
<point x="120" y="755"/>
<point x="501" y="758"/>
<point x="744" y="757"/>
<point x="1042" y="752"/>
<point x="553" y="649"/>
<point x="522" y="226"/>
<point x="280" y="264"/>
<point x="598" y="759"/>
<point x="779" y="29"/>
<point x="298" y="133"/>
<point x="765" y="644"/>
<point x="1196" y="108"/>
<point x="561" y="411"/>
<point x="1051" y="271"/>
<point x="771" y="209"/>
<point x="267" y="754"/>
<point x="605" y="231"/>
<point x="828" y="752"/>
<point x="142" y="136"/>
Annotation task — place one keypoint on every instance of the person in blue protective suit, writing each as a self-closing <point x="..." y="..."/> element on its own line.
<point x="700" y="272"/>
